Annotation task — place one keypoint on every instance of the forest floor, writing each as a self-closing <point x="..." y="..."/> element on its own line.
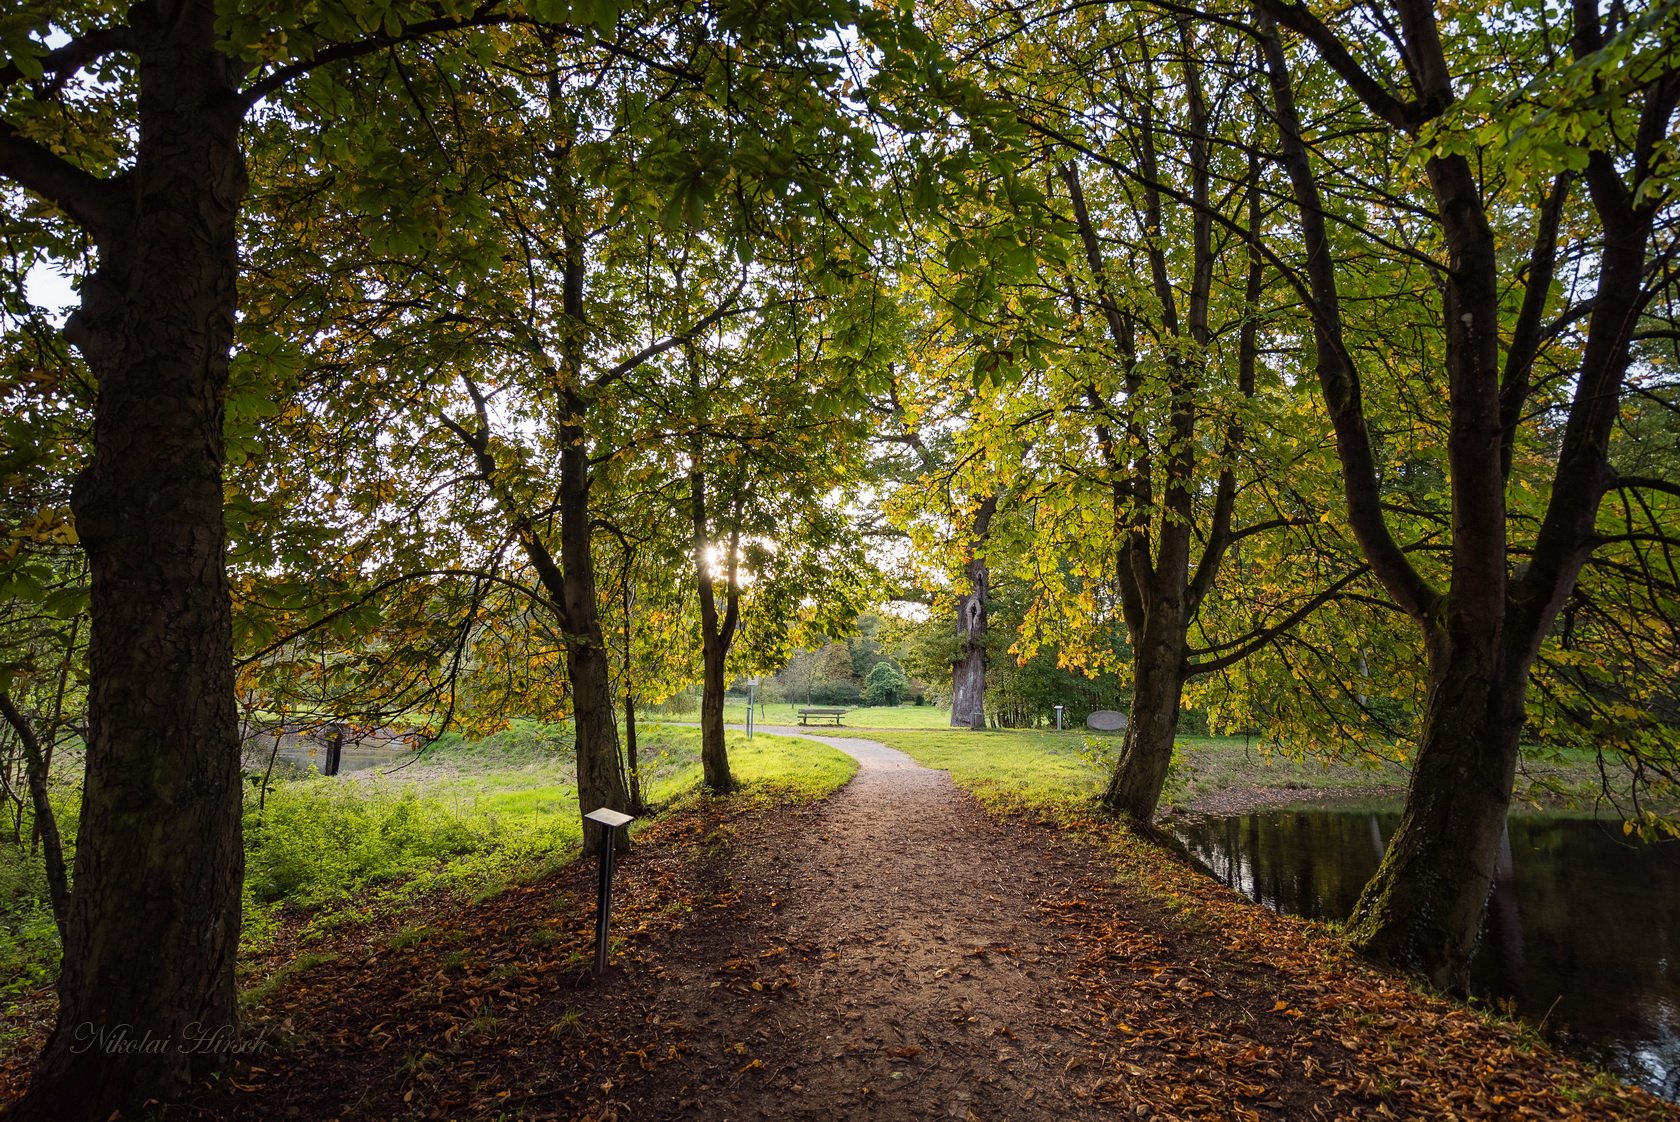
<point x="891" y="952"/>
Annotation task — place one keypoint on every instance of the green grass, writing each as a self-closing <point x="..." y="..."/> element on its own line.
<point x="802" y="769"/>
<point x="1007" y="769"/>
<point x="1064" y="771"/>
<point x="471" y="816"/>
<point x="1207" y="765"/>
<point x="857" y="716"/>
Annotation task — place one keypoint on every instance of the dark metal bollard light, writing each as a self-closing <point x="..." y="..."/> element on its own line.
<point x="609" y="821"/>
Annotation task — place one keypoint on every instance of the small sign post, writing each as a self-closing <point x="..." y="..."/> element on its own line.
<point x="1058" y="718"/>
<point x="609" y="821"/>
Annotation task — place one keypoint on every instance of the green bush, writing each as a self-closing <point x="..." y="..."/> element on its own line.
<point x="522" y="741"/>
<point x="317" y="840"/>
<point x="835" y="693"/>
<point x="886" y="684"/>
<point x="29" y="948"/>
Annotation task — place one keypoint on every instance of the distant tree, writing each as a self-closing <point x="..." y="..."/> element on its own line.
<point x="886" y="684"/>
<point x="834" y="663"/>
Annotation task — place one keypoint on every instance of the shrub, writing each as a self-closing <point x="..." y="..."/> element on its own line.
<point x="886" y="684"/>
<point x="835" y="692"/>
<point x="318" y="840"/>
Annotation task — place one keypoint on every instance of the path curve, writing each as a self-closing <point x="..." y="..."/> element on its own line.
<point x="887" y="962"/>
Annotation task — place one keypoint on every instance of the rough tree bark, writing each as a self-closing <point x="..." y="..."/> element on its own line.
<point x="154" y="911"/>
<point x="1140" y="774"/>
<point x="968" y="669"/>
<point x="601" y="780"/>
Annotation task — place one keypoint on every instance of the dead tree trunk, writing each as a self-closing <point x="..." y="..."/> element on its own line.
<point x="968" y="669"/>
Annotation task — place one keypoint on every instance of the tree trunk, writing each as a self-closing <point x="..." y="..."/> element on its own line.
<point x="154" y="910"/>
<point x="638" y="806"/>
<point x="44" y="826"/>
<point x="968" y="669"/>
<point x="1157" y="688"/>
<point x="714" y="752"/>
<point x="1423" y="909"/>
<point x="601" y="781"/>
<point x="335" y="750"/>
<point x="716" y="634"/>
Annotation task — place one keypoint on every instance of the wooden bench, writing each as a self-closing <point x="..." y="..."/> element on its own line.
<point x="806" y="716"/>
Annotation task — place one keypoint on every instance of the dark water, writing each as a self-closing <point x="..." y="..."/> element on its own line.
<point x="1583" y="930"/>
<point x="298" y="754"/>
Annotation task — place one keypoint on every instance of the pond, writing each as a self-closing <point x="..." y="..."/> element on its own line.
<point x="1581" y="933"/>
<point x="298" y="753"/>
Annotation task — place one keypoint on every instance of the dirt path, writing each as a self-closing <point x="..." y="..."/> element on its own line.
<point x="894" y="964"/>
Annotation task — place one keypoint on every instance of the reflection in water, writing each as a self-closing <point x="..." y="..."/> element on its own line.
<point x="1581" y="928"/>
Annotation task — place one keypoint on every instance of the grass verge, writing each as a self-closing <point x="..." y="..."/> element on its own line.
<point x="467" y="817"/>
<point x="1063" y="772"/>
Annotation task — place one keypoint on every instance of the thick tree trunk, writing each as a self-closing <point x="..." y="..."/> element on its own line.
<point x="968" y="669"/>
<point x="1423" y="909"/>
<point x="600" y="770"/>
<point x="968" y="672"/>
<point x="1157" y="688"/>
<point x="154" y="911"/>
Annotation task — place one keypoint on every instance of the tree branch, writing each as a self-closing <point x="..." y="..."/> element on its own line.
<point x="63" y="63"/>
<point x="91" y="202"/>
<point x="1385" y="105"/>
<point x="722" y="311"/>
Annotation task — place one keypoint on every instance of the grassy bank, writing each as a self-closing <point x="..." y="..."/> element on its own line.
<point x="465" y="817"/>
<point x="1064" y="772"/>
<point x="473" y="816"/>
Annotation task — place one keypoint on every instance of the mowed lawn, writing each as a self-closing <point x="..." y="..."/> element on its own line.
<point x="857" y="716"/>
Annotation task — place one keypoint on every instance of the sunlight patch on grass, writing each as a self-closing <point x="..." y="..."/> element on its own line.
<point x="1008" y="769"/>
<point x="793" y="767"/>
<point x="260" y="992"/>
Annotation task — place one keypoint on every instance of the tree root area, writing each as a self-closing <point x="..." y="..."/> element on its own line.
<point x="892" y="952"/>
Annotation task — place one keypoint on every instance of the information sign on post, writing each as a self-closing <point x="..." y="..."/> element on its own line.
<point x="609" y="820"/>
